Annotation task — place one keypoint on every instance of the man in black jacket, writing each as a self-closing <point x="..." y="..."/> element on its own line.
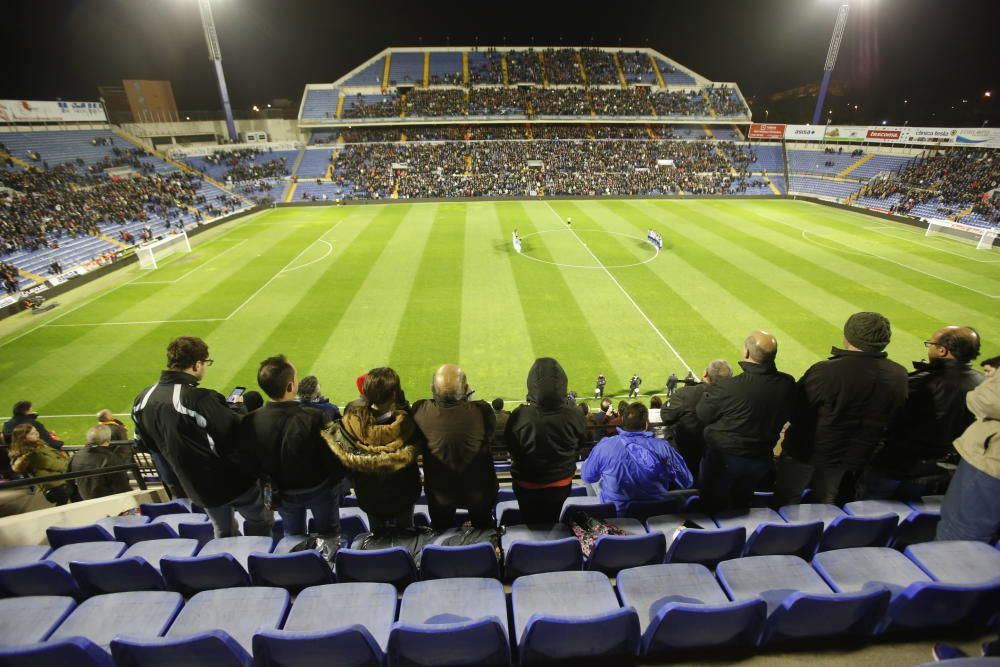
<point x="842" y="408"/>
<point x="99" y="453"/>
<point x="743" y="417"/>
<point x="935" y="415"/>
<point x="458" y="464"/>
<point x="195" y="431"/>
<point x="283" y="441"/>
<point x="684" y="429"/>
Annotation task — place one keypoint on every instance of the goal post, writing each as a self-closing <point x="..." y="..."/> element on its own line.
<point x="150" y="253"/>
<point x="981" y="237"/>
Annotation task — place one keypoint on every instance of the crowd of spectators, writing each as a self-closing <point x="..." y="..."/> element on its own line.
<point x="561" y="66"/>
<point x="361" y="135"/>
<point x="636" y="66"/>
<point x="446" y="79"/>
<point x="560" y="102"/>
<point x="524" y="67"/>
<point x="496" y="101"/>
<point x="242" y="165"/>
<point x="625" y="102"/>
<point x="988" y="208"/>
<point x="489" y="70"/>
<point x="9" y="276"/>
<point x="599" y="66"/>
<point x="384" y="106"/>
<point x="424" y="102"/>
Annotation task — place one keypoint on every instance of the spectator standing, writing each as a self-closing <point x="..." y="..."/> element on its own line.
<point x="633" y="386"/>
<point x="99" y="453"/>
<point x="671" y="384"/>
<point x="684" y="429"/>
<point x="634" y="464"/>
<point x="29" y="455"/>
<point x="501" y="422"/>
<point x="599" y="386"/>
<point x="196" y="432"/>
<point x="118" y="431"/>
<point x="544" y="436"/>
<point x="841" y="410"/>
<point x="310" y="395"/>
<point x="458" y="464"/>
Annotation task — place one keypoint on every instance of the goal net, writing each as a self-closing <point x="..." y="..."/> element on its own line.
<point x="155" y="251"/>
<point x="978" y="236"/>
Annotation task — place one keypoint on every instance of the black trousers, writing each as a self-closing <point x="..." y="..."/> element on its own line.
<point x="541" y="505"/>
<point x="443" y="516"/>
<point x="829" y="484"/>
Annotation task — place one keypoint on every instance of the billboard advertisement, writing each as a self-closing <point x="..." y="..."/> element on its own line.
<point x="804" y="132"/>
<point x="853" y="133"/>
<point x="15" y="111"/>
<point x="767" y="130"/>
<point x="987" y="137"/>
<point x="884" y="134"/>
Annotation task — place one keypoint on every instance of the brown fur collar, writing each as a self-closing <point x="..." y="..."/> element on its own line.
<point x="382" y="448"/>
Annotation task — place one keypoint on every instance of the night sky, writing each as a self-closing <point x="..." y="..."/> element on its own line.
<point x="933" y="53"/>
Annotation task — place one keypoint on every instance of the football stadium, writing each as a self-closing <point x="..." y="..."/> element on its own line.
<point x="551" y="350"/>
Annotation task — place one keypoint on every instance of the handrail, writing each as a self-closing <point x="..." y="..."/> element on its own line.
<point x="62" y="477"/>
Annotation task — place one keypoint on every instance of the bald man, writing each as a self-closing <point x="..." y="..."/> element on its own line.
<point x="458" y="464"/>
<point x="935" y="415"/>
<point x="743" y="416"/>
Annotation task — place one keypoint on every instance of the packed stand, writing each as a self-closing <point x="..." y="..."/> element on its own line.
<point x="627" y="102"/>
<point x="561" y="102"/>
<point x="380" y="107"/>
<point x="244" y="165"/>
<point x="436" y="103"/>
<point x="599" y="66"/>
<point x="561" y="66"/>
<point x="360" y="135"/>
<point x="496" y="101"/>
<point x="523" y="67"/>
<point x="488" y="69"/>
<point x="636" y="66"/>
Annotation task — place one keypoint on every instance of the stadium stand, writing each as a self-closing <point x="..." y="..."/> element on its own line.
<point x="320" y="103"/>
<point x="315" y="162"/>
<point x="823" y="187"/>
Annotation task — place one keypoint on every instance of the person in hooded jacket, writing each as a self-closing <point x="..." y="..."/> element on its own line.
<point x="544" y="436"/>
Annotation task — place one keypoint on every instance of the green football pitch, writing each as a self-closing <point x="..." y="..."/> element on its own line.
<point x="344" y="289"/>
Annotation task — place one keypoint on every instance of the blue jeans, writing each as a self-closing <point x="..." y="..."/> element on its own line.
<point x="728" y="481"/>
<point x="323" y="501"/>
<point x="251" y="505"/>
<point x="971" y="507"/>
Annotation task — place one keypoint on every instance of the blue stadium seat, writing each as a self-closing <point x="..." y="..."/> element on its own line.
<point x="963" y="563"/>
<point x="137" y="615"/>
<point x="878" y="508"/>
<point x="201" y="531"/>
<point x="508" y="513"/>
<point x="116" y="576"/>
<point x="154" y="510"/>
<point x="800" y="604"/>
<point x="108" y="523"/>
<point x="76" y="651"/>
<point x="644" y="509"/>
<point x="800" y="539"/>
<point x="353" y="522"/>
<point x="291" y="571"/>
<point x="349" y="621"/>
<point x="32" y="619"/>
<point x="176" y="520"/>
<point x="930" y="504"/>
<point x="589" y="505"/>
<point x="915" y="528"/>
<point x="22" y="554"/>
<point x="571" y="615"/>
<point x="151" y="531"/>
<point x="152" y="551"/>
<point x="473" y="560"/>
<point x="706" y="546"/>
<point x="536" y="549"/>
<point x="681" y="607"/>
<point x="451" y="622"/>
<point x="51" y="576"/>
<point x="388" y="566"/>
<point x="212" y="648"/>
<point x="612" y="553"/>
<point x="194" y="574"/>
<point x="842" y="531"/>
<point x="60" y="537"/>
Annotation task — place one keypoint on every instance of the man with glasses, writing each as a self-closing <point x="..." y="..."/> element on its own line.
<point x="935" y="414"/>
<point x="196" y="432"/>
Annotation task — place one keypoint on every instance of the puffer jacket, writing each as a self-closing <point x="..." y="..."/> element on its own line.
<point x="980" y="444"/>
<point x="382" y="460"/>
<point x="42" y="461"/>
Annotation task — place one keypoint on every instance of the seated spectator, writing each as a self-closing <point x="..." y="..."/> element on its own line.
<point x="252" y="400"/>
<point x="29" y="455"/>
<point x="118" y="431"/>
<point x="458" y="464"/>
<point x="544" y="437"/>
<point x="378" y="442"/>
<point x="635" y="465"/>
<point x="684" y="429"/>
<point x="606" y="416"/>
<point x="310" y="395"/>
<point x="99" y="453"/>
<point x="24" y="414"/>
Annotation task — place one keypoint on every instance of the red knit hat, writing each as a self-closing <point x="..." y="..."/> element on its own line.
<point x="361" y="382"/>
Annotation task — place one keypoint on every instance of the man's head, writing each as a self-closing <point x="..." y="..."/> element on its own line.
<point x="22" y="408"/>
<point x="188" y="354"/>
<point x="717" y="369"/>
<point x="497" y="404"/>
<point x="958" y="343"/>
<point x="105" y="415"/>
<point x="760" y="347"/>
<point x="276" y="376"/>
<point x="606" y="405"/>
<point x="252" y="400"/>
<point x="449" y="384"/>
<point x="867" y="332"/>
<point x="635" y="417"/>
<point x="99" y="436"/>
<point x="309" y="388"/>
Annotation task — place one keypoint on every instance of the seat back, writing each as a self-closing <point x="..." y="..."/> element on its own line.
<point x="813" y="616"/>
<point x="590" y="506"/>
<point x="75" y="652"/>
<point x="846" y="532"/>
<point x="116" y="576"/>
<point x="706" y="547"/>
<point x="915" y="528"/>
<point x="41" y="578"/>
<point x="389" y="566"/>
<point x="935" y="605"/>
<point x="147" y="531"/>
<point x="60" y="537"/>
<point x="525" y="557"/>
<point x="483" y="641"/>
<point x="680" y="626"/>
<point x="206" y="649"/>
<point x="153" y="510"/>
<point x="794" y="539"/>
<point x="471" y="560"/>
<point x="203" y="532"/>
<point x="643" y="509"/>
<point x="508" y="513"/>
<point x="554" y="638"/>
<point x="351" y="526"/>
<point x="192" y="575"/>
<point x="353" y="645"/>
<point x="291" y="571"/>
<point x="616" y="552"/>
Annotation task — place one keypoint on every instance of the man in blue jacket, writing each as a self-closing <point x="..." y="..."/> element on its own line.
<point x="635" y="465"/>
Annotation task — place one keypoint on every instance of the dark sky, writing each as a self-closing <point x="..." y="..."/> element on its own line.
<point x="935" y="53"/>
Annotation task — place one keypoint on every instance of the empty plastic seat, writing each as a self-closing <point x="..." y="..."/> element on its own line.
<point x="202" y="532"/>
<point x="388" y="566"/>
<point x="238" y="612"/>
<point x="705" y="546"/>
<point x="138" y="615"/>
<point x="644" y="509"/>
<point x="75" y="651"/>
<point x="85" y="551"/>
<point x="353" y="522"/>
<point x="508" y="513"/>
<point x="239" y="547"/>
<point x="957" y="562"/>
<point x="150" y="531"/>
<point x="931" y="504"/>
<point x="682" y="607"/>
<point x="472" y="560"/>
<point x="175" y="521"/>
<point x="22" y="554"/>
<point x="212" y="648"/>
<point x="291" y="571"/>
<point x="590" y="505"/>
<point x="535" y="549"/>
<point x="152" y="551"/>
<point x="51" y="576"/>
<point x="32" y="619"/>
<point x="221" y="563"/>
<point x="843" y="531"/>
<point x="567" y="615"/>
<point x="60" y="537"/>
<point x="800" y="604"/>
<point x="915" y="528"/>
<point x="350" y="621"/>
<point x="612" y="553"/>
<point x="809" y="512"/>
<point x="116" y="576"/>
<point x="108" y="523"/>
<point x="460" y="621"/>
<point x="878" y="508"/>
<point x="769" y="534"/>
<point x="154" y="510"/>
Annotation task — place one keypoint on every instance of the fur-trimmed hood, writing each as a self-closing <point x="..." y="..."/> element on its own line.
<point x="381" y="448"/>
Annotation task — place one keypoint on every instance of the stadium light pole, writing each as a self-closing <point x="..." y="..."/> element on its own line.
<point x="215" y="55"/>
<point x="831" y="59"/>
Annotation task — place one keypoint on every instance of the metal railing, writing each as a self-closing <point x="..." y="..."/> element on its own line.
<point x="130" y="468"/>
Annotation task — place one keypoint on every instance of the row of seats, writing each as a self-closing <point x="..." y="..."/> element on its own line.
<point x="658" y="609"/>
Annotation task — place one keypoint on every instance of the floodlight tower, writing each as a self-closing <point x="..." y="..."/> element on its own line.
<point x="215" y="55"/>
<point x="831" y="59"/>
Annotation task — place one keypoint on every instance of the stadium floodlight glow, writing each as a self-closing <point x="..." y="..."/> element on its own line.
<point x="831" y="59"/>
<point x="215" y="55"/>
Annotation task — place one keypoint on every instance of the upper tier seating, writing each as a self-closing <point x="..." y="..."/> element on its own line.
<point x="815" y="162"/>
<point x="369" y="75"/>
<point x="406" y="67"/>
<point x="823" y="187"/>
<point x="446" y="68"/>
<point x="320" y="103"/>
<point x="672" y="75"/>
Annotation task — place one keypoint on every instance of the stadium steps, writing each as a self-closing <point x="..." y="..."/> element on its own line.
<point x="722" y="154"/>
<point x="656" y="70"/>
<point x="180" y="165"/>
<point x="298" y="160"/>
<point x="583" y="70"/>
<point x="290" y="194"/>
<point x="30" y="274"/>
<point x="17" y="160"/>
<point x="385" y="71"/>
<point x="708" y="101"/>
<point x="545" y="71"/>
<point x="864" y="158"/>
<point x="427" y="69"/>
<point x="465" y="69"/>
<point x="962" y="214"/>
<point x="503" y="69"/>
<point x="111" y="240"/>
<point x="621" y="72"/>
<point x="649" y="131"/>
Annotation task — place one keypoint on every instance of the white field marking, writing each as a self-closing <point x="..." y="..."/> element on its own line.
<point x="329" y="249"/>
<point x="583" y="266"/>
<point x="121" y="324"/>
<point x="177" y="280"/>
<point x="623" y="291"/>
<point x="806" y="236"/>
<point x="887" y="231"/>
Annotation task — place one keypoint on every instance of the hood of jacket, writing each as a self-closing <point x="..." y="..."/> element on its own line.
<point x="381" y="448"/>
<point x="547" y="384"/>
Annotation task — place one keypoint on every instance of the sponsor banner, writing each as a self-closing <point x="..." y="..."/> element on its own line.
<point x="987" y="137"/>
<point x="928" y="135"/>
<point x="7" y="301"/>
<point x="855" y="133"/>
<point x="885" y="134"/>
<point x="804" y="132"/>
<point x="767" y="130"/>
<point x="12" y="111"/>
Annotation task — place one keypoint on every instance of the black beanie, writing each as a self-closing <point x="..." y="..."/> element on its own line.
<point x="868" y="331"/>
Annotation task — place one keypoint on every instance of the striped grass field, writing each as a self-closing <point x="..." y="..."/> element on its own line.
<point x="343" y="289"/>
